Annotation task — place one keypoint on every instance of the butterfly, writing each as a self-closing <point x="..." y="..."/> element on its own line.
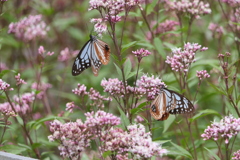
<point x="169" y="102"/>
<point x="93" y="54"/>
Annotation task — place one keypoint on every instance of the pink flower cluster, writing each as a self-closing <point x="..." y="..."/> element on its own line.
<point x="194" y="8"/>
<point x="97" y="98"/>
<point x="226" y="129"/>
<point x="113" y="86"/>
<point x="19" y="80"/>
<point x="42" y="88"/>
<point x="202" y="74"/>
<point x="150" y="86"/>
<point x="145" y="85"/>
<point x="112" y="7"/>
<point x="5" y="86"/>
<point x="216" y="29"/>
<point x="168" y="25"/>
<point x="66" y="55"/>
<point x="138" y="119"/>
<point x="76" y="136"/>
<point x="41" y="51"/>
<point x="93" y="95"/>
<point x="81" y="90"/>
<point x="235" y="19"/>
<point x="70" y="106"/>
<point x="21" y="105"/>
<point x="135" y="140"/>
<point x="3" y="66"/>
<point x="29" y="28"/>
<point x="236" y="155"/>
<point x="6" y="110"/>
<point x="100" y="26"/>
<point x="232" y="3"/>
<point x="181" y="60"/>
<point x="96" y="122"/>
<point x="141" y="53"/>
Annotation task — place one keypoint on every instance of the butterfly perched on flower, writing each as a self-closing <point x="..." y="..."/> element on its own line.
<point x="169" y="102"/>
<point x="93" y="54"/>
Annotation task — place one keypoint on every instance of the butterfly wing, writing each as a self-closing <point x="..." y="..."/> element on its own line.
<point x="95" y="61"/>
<point x="94" y="53"/>
<point x="158" y="107"/>
<point x="82" y="60"/>
<point x="177" y="103"/>
<point x="102" y="50"/>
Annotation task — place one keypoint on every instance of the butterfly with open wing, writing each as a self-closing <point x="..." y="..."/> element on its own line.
<point x="170" y="102"/>
<point x="93" y="54"/>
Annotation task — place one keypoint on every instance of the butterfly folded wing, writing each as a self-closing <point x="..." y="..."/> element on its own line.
<point x="158" y="108"/>
<point x="178" y="104"/>
<point x="103" y="51"/>
<point x="170" y="102"/>
<point x="82" y="60"/>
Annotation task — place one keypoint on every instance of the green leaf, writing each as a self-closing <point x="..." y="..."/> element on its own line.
<point x="106" y="154"/>
<point x="231" y="108"/>
<point x="63" y="23"/>
<point x="218" y="89"/>
<point x="75" y="33"/>
<point x="134" y="73"/>
<point x="5" y="72"/>
<point x="159" y="46"/>
<point x="124" y="118"/>
<point x="168" y="123"/>
<point x="230" y="90"/>
<point x="118" y="70"/>
<point x="139" y="108"/>
<point x="151" y="6"/>
<point x="126" y="46"/>
<point x="13" y="149"/>
<point x="127" y="68"/>
<point x="238" y="99"/>
<point x="183" y="151"/>
<point x="85" y="157"/>
<point x="38" y="123"/>
<point x="213" y="154"/>
<point x="203" y="113"/>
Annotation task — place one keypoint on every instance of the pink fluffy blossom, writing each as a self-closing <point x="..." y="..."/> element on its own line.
<point x="81" y="90"/>
<point x="6" y="110"/>
<point x="43" y="87"/>
<point x="96" y="122"/>
<point x="232" y="3"/>
<point x="236" y="155"/>
<point x="112" y="8"/>
<point x="19" y="80"/>
<point x="226" y="129"/>
<point x="202" y="74"/>
<point x="135" y="140"/>
<point x="29" y="28"/>
<point x="216" y="29"/>
<point x="141" y="53"/>
<point x="74" y="137"/>
<point x="139" y="119"/>
<point x="66" y="55"/>
<point x="181" y="59"/>
<point x="150" y="85"/>
<point x="100" y="26"/>
<point x="194" y="8"/>
<point x="5" y="86"/>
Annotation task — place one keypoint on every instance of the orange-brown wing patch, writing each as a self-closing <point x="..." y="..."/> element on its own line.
<point x="103" y="51"/>
<point x="158" y="108"/>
